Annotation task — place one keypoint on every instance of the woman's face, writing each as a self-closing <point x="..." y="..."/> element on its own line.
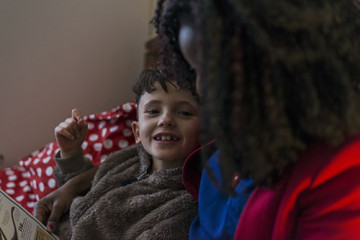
<point x="191" y="50"/>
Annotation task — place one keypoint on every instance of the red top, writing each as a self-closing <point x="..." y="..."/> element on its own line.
<point x="318" y="198"/>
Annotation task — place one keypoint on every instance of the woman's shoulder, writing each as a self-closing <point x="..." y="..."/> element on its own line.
<point x="323" y="161"/>
<point x="319" y="195"/>
<point x="326" y="186"/>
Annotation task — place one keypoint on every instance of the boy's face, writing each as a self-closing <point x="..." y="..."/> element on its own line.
<point x="168" y="124"/>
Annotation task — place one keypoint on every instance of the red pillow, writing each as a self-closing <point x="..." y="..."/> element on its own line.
<point x="107" y="132"/>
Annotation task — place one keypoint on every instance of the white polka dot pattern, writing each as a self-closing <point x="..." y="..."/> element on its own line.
<point x="41" y="187"/>
<point x="30" y="204"/>
<point x="36" y="161"/>
<point x="52" y="183"/>
<point x="97" y="147"/>
<point x="123" y="144"/>
<point x="127" y="132"/>
<point x="103" y="132"/>
<point x="91" y="126"/>
<point x="46" y="160"/>
<point x="127" y="107"/>
<point x="39" y="171"/>
<point x="19" y="198"/>
<point x="9" y="172"/>
<point x="10" y="185"/>
<point x="12" y="178"/>
<point x="89" y="156"/>
<point x="93" y="137"/>
<point x="23" y="183"/>
<point x="102" y="124"/>
<point x="84" y="145"/>
<point x="108" y="144"/>
<point x="49" y="171"/>
<point x="33" y="179"/>
<point x="114" y="128"/>
<point x="10" y="191"/>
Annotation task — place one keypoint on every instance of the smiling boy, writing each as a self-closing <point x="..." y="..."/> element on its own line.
<point x="137" y="193"/>
<point x="168" y="124"/>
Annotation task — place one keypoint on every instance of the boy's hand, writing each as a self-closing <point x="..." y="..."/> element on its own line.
<point x="71" y="133"/>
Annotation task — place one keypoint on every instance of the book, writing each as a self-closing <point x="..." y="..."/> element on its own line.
<point x="16" y="223"/>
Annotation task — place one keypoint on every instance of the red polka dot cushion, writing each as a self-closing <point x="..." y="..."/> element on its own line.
<point x="33" y="179"/>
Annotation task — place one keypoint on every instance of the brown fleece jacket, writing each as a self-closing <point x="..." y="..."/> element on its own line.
<point x="125" y="202"/>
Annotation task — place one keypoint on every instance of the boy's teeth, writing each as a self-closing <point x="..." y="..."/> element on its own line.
<point x="166" y="138"/>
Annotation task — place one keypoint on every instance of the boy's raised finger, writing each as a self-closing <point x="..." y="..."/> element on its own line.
<point x="76" y="114"/>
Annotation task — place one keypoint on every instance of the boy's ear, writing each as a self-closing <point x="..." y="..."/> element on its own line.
<point x="136" y="131"/>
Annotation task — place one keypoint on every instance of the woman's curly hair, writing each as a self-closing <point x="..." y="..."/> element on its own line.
<point x="167" y="24"/>
<point x="276" y="76"/>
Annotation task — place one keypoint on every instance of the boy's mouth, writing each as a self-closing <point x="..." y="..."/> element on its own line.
<point x="166" y="138"/>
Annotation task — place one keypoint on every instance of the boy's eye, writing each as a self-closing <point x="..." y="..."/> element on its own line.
<point x="152" y="111"/>
<point x="184" y="113"/>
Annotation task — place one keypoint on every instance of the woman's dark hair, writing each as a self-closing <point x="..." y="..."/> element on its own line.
<point x="277" y="76"/>
<point x="170" y="53"/>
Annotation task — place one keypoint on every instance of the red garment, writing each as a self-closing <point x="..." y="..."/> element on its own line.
<point x="192" y="170"/>
<point x="318" y="198"/>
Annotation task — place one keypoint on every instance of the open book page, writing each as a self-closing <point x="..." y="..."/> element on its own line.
<point x="16" y="223"/>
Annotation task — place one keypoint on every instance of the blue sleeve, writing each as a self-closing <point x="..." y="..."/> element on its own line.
<point x="218" y="212"/>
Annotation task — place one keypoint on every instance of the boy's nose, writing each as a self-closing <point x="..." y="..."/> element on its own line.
<point x="166" y="120"/>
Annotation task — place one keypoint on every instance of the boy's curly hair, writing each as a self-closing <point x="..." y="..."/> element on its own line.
<point x="277" y="76"/>
<point x="148" y="77"/>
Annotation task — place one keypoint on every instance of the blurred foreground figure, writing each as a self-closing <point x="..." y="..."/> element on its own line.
<point x="279" y="82"/>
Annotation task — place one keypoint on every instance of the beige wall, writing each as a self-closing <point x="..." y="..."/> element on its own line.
<point x="57" y="55"/>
